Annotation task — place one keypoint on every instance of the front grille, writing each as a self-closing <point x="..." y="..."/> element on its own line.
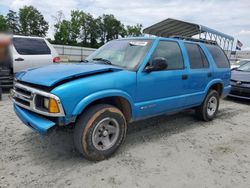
<point x="22" y="91"/>
<point x="32" y="99"/>
<point x="240" y="91"/>
<point x="22" y="95"/>
<point x="23" y="102"/>
<point x="238" y="81"/>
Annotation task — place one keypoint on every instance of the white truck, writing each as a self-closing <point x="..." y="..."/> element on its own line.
<point x="24" y="52"/>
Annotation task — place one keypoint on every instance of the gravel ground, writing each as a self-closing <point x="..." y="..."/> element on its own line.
<point x="167" y="151"/>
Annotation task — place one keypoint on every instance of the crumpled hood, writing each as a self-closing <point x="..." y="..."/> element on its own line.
<point x="240" y="76"/>
<point x="53" y="74"/>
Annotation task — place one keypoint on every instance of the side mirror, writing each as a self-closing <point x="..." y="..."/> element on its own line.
<point x="158" y="64"/>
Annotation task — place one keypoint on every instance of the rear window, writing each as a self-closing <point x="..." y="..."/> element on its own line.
<point x="29" y="46"/>
<point x="197" y="58"/>
<point x="219" y="56"/>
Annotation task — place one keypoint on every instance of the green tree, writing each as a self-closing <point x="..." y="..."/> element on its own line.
<point x="85" y="30"/>
<point x="92" y="31"/>
<point x="13" y="22"/>
<point x="69" y="32"/>
<point x="32" y="22"/>
<point x="62" y="35"/>
<point x="77" y="17"/>
<point x="111" y="28"/>
<point x="134" y="31"/>
<point x="3" y="24"/>
<point x="95" y="32"/>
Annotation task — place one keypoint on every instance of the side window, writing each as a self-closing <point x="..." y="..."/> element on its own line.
<point x="204" y="59"/>
<point x="31" y="46"/>
<point x="171" y="51"/>
<point x="219" y="56"/>
<point x="197" y="58"/>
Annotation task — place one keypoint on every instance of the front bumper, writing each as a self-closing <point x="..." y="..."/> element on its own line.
<point x="240" y="92"/>
<point x="32" y="120"/>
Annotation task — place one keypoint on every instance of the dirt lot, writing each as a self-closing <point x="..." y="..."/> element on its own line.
<point x="167" y="151"/>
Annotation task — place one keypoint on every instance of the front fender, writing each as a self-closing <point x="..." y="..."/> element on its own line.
<point x="102" y="94"/>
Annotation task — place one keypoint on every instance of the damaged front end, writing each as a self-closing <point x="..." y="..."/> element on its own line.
<point x="37" y="109"/>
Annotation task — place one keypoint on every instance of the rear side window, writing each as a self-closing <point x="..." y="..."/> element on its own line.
<point x="219" y="56"/>
<point x="171" y="51"/>
<point x="29" y="46"/>
<point x="197" y="58"/>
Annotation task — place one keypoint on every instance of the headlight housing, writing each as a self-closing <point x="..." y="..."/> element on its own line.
<point x="36" y="100"/>
<point x="47" y="104"/>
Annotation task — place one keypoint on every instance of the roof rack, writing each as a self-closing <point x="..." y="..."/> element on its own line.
<point x="195" y="40"/>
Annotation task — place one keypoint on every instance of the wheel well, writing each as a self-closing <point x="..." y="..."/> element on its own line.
<point x="119" y="102"/>
<point x="217" y="87"/>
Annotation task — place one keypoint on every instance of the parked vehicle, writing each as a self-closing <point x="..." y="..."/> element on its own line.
<point x="25" y="52"/>
<point x="4" y="55"/>
<point x="239" y="63"/>
<point x="240" y="81"/>
<point x="123" y="81"/>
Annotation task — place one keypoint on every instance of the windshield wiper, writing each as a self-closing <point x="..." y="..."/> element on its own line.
<point x="84" y="61"/>
<point x="103" y="60"/>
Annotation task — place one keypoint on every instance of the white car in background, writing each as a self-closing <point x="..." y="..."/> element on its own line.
<point x="23" y="52"/>
<point x="29" y="52"/>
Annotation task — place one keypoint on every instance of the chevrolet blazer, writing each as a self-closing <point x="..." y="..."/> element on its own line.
<point x="123" y="81"/>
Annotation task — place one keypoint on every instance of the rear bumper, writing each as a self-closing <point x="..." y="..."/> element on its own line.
<point x="32" y="120"/>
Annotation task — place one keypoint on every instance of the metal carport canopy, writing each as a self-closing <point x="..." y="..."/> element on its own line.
<point x="172" y="27"/>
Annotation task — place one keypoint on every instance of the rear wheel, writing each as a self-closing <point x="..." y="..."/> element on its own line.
<point x="209" y="108"/>
<point x="100" y="131"/>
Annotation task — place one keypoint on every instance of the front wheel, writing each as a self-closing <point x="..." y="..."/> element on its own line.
<point x="100" y="131"/>
<point x="209" y="108"/>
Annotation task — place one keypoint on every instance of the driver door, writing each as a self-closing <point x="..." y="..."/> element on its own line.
<point x="162" y="91"/>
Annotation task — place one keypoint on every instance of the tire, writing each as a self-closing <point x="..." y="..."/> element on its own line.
<point x="99" y="132"/>
<point x="209" y="108"/>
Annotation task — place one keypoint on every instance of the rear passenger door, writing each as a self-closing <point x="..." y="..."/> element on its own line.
<point x="200" y="73"/>
<point x="29" y="53"/>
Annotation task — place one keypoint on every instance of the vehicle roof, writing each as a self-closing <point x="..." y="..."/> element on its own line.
<point x="31" y="37"/>
<point x="158" y="38"/>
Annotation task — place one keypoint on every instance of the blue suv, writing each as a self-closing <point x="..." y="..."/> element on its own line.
<point x="123" y="81"/>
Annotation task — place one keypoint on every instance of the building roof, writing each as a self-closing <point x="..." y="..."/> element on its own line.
<point x="172" y="27"/>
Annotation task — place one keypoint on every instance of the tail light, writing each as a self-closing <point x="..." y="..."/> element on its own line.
<point x="56" y="60"/>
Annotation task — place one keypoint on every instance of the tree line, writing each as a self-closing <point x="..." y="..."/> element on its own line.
<point x="81" y="29"/>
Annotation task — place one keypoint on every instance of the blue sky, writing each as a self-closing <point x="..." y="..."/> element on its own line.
<point x="228" y="16"/>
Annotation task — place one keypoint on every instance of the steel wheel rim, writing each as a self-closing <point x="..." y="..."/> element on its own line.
<point x="212" y="106"/>
<point x="105" y="134"/>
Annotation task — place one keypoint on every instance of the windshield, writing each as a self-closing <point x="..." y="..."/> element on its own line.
<point x="245" y="67"/>
<point x="240" y="62"/>
<point x="123" y="53"/>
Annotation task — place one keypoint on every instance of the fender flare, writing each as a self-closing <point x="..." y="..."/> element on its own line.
<point x="102" y="94"/>
<point x="212" y="82"/>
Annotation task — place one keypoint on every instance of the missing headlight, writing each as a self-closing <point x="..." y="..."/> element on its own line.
<point x="42" y="103"/>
